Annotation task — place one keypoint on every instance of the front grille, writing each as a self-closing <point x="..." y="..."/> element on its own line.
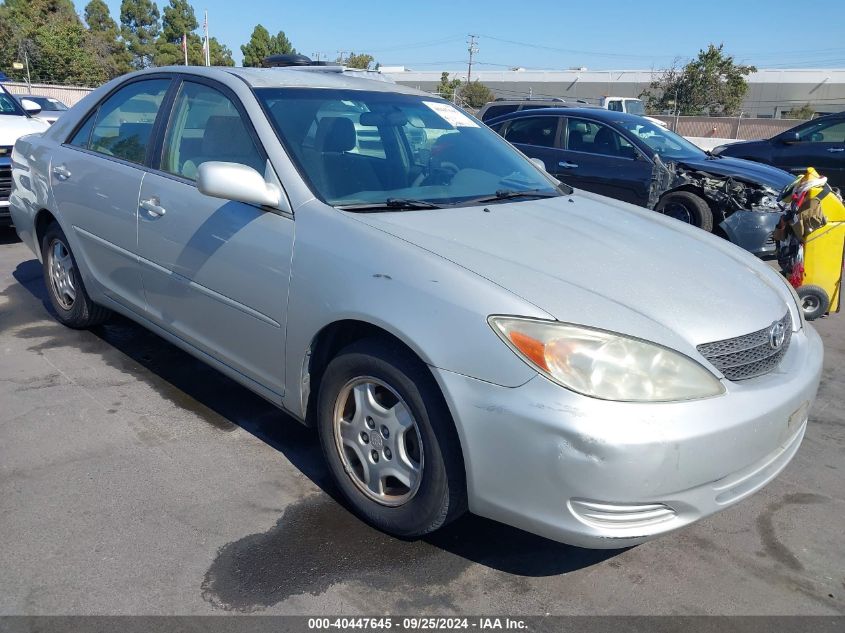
<point x="5" y="182"/>
<point x="749" y="355"/>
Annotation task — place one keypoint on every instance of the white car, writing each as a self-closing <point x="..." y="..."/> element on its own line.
<point x="51" y="108"/>
<point x="16" y="120"/>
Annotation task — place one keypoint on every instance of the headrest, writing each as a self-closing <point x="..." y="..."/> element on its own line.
<point x="226" y="135"/>
<point x="336" y="134"/>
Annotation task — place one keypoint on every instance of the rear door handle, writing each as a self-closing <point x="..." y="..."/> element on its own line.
<point x="61" y="172"/>
<point x="836" y="149"/>
<point x="567" y="165"/>
<point x="152" y="207"/>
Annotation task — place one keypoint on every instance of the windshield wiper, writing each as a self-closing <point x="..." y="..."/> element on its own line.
<point x="391" y="204"/>
<point x="510" y="194"/>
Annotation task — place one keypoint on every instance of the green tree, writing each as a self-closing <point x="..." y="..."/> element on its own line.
<point x="178" y="20"/>
<point x="105" y="39"/>
<point x="475" y="94"/>
<point x="51" y="36"/>
<point x="361" y="60"/>
<point x="139" y="21"/>
<point x="220" y="54"/>
<point x="446" y="88"/>
<point x="804" y="112"/>
<point x="712" y="84"/>
<point x="261" y="44"/>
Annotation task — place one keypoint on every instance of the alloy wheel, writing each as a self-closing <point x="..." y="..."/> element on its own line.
<point x="60" y="267"/>
<point x="378" y="441"/>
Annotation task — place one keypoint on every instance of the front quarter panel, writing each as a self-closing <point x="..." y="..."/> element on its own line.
<point x="344" y="269"/>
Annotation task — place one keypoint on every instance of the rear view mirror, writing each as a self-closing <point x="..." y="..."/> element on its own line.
<point x="791" y="137"/>
<point x="30" y="106"/>
<point x="232" y="181"/>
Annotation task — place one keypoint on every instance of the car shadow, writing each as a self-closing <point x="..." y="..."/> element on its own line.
<point x="193" y="385"/>
<point x="8" y="235"/>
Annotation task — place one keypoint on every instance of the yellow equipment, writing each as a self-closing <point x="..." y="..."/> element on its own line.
<point x="824" y="257"/>
<point x="811" y="239"/>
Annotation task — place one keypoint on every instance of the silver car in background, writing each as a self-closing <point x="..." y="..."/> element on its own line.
<point x="464" y="331"/>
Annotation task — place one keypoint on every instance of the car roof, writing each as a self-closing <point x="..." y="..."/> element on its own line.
<point x="295" y="76"/>
<point x="599" y="114"/>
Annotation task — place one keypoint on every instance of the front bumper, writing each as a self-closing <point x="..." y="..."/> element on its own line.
<point x="605" y="474"/>
<point x="752" y="230"/>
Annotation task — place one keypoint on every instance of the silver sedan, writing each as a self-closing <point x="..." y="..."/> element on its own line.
<point x="465" y="332"/>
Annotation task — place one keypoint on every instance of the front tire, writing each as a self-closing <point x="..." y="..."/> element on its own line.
<point x="687" y="207"/>
<point x="389" y="440"/>
<point x="68" y="296"/>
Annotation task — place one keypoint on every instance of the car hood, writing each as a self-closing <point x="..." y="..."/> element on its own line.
<point x="594" y="261"/>
<point x="13" y="127"/>
<point x="741" y="169"/>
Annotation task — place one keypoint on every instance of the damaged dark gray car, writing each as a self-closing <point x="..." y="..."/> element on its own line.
<point x="629" y="158"/>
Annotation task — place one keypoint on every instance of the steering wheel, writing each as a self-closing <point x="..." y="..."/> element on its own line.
<point x="441" y="175"/>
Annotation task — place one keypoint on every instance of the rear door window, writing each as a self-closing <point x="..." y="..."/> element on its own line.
<point x="124" y="122"/>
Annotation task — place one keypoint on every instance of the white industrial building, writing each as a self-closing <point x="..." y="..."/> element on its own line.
<point x="772" y="92"/>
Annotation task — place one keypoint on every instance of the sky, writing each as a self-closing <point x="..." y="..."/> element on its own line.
<point x="538" y="34"/>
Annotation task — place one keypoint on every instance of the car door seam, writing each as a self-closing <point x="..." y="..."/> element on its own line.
<point x="217" y="296"/>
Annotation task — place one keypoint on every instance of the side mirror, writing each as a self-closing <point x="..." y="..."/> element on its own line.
<point x="232" y="181"/>
<point x="30" y="106"/>
<point x="791" y="137"/>
<point x="538" y="163"/>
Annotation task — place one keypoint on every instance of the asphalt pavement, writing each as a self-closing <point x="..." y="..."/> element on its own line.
<point x="136" y="480"/>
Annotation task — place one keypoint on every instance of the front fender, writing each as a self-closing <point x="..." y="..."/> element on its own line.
<point x="343" y="269"/>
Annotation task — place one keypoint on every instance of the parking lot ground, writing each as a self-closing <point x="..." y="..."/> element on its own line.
<point x="136" y="480"/>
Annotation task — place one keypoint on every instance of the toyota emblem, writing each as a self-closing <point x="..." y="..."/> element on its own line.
<point x="777" y="334"/>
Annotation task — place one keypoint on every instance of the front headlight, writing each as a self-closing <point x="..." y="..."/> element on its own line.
<point x="605" y="365"/>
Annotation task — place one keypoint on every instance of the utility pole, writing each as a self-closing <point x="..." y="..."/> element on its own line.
<point x="340" y="55"/>
<point x="28" y="82"/>
<point x="473" y="49"/>
<point x="316" y="56"/>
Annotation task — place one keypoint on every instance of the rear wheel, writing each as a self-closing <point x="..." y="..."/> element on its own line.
<point x="68" y="297"/>
<point x="814" y="301"/>
<point x="687" y="207"/>
<point x="389" y="439"/>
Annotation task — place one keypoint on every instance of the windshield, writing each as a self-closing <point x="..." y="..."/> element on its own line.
<point x="666" y="144"/>
<point x="47" y="103"/>
<point x="634" y="106"/>
<point x="358" y="147"/>
<point x="8" y="105"/>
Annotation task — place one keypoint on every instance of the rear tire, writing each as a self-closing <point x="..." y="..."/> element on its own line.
<point x="814" y="301"/>
<point x="687" y="207"/>
<point x="68" y="297"/>
<point x="405" y="479"/>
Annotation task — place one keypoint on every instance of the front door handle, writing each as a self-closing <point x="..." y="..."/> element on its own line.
<point x="567" y="165"/>
<point x="836" y="149"/>
<point x="61" y="172"/>
<point x="153" y="207"/>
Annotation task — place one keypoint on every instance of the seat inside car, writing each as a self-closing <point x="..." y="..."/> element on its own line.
<point x="343" y="172"/>
<point x="576" y="136"/>
<point x="225" y="139"/>
<point x="606" y="142"/>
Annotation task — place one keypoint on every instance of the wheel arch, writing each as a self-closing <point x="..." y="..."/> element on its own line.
<point x="326" y="344"/>
<point x="43" y="219"/>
